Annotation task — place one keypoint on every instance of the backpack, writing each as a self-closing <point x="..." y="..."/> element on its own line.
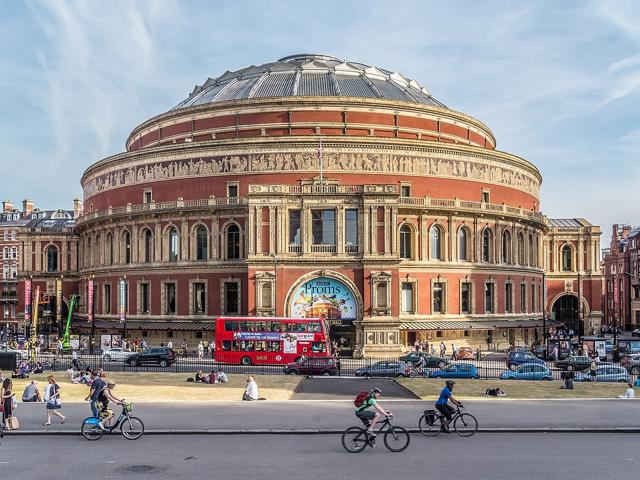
<point x="360" y="399"/>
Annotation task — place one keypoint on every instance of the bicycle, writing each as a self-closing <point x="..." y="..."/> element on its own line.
<point x="418" y="372"/>
<point x="131" y="427"/>
<point x="464" y="424"/>
<point x="356" y="439"/>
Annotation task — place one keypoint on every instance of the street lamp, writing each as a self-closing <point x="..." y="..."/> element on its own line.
<point x="274" y="259"/>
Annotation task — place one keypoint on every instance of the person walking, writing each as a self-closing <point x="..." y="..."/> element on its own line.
<point x="97" y="384"/>
<point x="6" y="402"/>
<point x="200" y="351"/>
<point x="443" y="349"/>
<point x="52" y="397"/>
<point x="454" y="351"/>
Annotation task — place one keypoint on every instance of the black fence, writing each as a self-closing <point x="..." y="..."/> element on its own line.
<point x="491" y="365"/>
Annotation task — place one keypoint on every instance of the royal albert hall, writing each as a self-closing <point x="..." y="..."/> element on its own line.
<point x="315" y="187"/>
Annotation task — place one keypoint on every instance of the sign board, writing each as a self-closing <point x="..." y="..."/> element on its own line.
<point x="58" y="300"/>
<point x="27" y="300"/>
<point x="90" y="300"/>
<point x="123" y="301"/>
<point x="323" y="297"/>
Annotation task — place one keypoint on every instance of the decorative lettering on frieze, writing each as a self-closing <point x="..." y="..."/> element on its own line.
<point x="483" y="169"/>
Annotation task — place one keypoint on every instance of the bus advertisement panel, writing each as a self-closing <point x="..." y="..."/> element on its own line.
<point x="269" y="341"/>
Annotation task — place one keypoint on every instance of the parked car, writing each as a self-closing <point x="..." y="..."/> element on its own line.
<point x="458" y="370"/>
<point x="539" y="351"/>
<point x="162" y="356"/>
<point x="604" y="373"/>
<point x="574" y="362"/>
<point x="431" y="360"/>
<point x="314" y="366"/>
<point x="631" y="363"/>
<point x="385" y="369"/>
<point x="466" y="353"/>
<point x="515" y="358"/>
<point x="115" y="355"/>
<point x="22" y="354"/>
<point x="635" y="332"/>
<point x="528" y="371"/>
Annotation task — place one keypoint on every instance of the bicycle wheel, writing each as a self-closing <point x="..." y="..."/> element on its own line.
<point x="354" y="439"/>
<point x="132" y="428"/>
<point x="396" y="439"/>
<point x="465" y="425"/>
<point x="91" y="431"/>
<point x="430" y="429"/>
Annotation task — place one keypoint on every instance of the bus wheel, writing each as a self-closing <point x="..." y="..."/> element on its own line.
<point x="245" y="361"/>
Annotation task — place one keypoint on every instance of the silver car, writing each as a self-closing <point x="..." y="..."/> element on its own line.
<point x="604" y="373"/>
<point x="116" y="354"/>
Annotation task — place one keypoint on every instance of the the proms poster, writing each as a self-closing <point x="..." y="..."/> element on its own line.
<point x="323" y="298"/>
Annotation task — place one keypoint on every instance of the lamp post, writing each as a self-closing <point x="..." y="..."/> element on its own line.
<point x="274" y="259"/>
<point x="544" y="310"/>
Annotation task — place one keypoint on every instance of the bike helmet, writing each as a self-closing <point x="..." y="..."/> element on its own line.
<point x="376" y="389"/>
<point x="450" y="383"/>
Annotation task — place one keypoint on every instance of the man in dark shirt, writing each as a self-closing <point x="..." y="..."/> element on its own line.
<point x="442" y="404"/>
<point x="97" y="384"/>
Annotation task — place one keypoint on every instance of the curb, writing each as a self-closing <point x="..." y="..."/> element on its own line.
<point x="312" y="431"/>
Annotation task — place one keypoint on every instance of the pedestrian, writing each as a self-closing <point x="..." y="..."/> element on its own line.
<point x="443" y="349"/>
<point x="200" y="351"/>
<point x="97" y="384"/>
<point x="60" y="347"/>
<point x="433" y="349"/>
<point x="593" y="368"/>
<point x="212" y="348"/>
<point x="170" y="345"/>
<point x="52" y="397"/>
<point x="454" y="351"/>
<point x="555" y="353"/>
<point x="251" y="392"/>
<point x="9" y="421"/>
<point x="338" y="364"/>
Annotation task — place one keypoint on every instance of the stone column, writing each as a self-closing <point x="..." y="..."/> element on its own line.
<point x="387" y="230"/>
<point x="366" y="230"/>
<point x="157" y="243"/>
<point x="340" y="237"/>
<point x="215" y="237"/>
<point x="394" y="227"/>
<point x="251" y="230"/>
<point x="184" y="240"/>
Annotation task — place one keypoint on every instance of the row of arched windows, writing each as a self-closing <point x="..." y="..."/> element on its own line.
<point x="170" y="246"/>
<point x="465" y="248"/>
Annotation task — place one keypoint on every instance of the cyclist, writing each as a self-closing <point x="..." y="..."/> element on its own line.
<point x="104" y="412"/>
<point x="418" y="367"/>
<point x="443" y="407"/>
<point x="363" y="412"/>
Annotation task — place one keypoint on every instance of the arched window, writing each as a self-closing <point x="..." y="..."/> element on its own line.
<point x="566" y="259"/>
<point x="520" y="249"/>
<point x="202" y="243"/>
<point x="110" y="249"/>
<point x="89" y="253"/>
<point x="435" y="241"/>
<point x="148" y="246"/>
<point x="52" y="259"/>
<point x="97" y="260"/>
<point x="233" y="242"/>
<point x="506" y="247"/>
<point x="405" y="241"/>
<point x="463" y="238"/>
<point x="126" y="244"/>
<point x="174" y="245"/>
<point x="487" y="245"/>
<point x="533" y="252"/>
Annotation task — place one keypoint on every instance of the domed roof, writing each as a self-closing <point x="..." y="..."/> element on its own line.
<point x="309" y="75"/>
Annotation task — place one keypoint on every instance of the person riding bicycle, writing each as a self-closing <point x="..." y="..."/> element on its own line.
<point x="363" y="412"/>
<point x="419" y="365"/>
<point x="104" y="412"/>
<point x="443" y="407"/>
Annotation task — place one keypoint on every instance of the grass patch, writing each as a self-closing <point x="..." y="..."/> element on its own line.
<point x="429" y="389"/>
<point x="154" y="387"/>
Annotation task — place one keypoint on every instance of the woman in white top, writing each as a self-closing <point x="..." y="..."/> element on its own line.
<point x="52" y="397"/>
<point x="630" y="393"/>
<point x="251" y="392"/>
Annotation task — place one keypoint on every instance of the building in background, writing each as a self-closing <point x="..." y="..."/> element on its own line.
<point x="621" y="271"/>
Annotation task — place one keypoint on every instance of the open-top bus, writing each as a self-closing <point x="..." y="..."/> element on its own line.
<point x="270" y="341"/>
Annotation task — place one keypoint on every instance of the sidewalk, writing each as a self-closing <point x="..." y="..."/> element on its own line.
<point x="327" y="416"/>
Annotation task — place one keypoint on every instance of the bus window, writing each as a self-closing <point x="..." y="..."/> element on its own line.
<point x="299" y="327"/>
<point x="273" y="346"/>
<point x="226" y="345"/>
<point x="235" y="346"/>
<point x="260" y="346"/>
<point x="319" y="347"/>
<point x="229" y="325"/>
<point x="246" y="346"/>
<point x="314" y="327"/>
<point x="244" y="326"/>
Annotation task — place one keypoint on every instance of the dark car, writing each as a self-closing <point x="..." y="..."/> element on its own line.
<point x="314" y="366"/>
<point x="431" y="360"/>
<point x="152" y="356"/>
<point x="574" y="362"/>
<point x="539" y="351"/>
<point x="515" y="358"/>
<point x="385" y="368"/>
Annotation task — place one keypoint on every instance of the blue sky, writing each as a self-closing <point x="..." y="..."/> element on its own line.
<point x="557" y="82"/>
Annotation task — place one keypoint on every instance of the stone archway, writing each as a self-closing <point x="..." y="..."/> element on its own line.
<point x="565" y="309"/>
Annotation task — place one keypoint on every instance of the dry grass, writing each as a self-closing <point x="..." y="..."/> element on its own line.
<point x="154" y="387"/>
<point x="429" y="389"/>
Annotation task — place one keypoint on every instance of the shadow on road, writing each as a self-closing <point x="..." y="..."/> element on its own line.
<point x="323" y="388"/>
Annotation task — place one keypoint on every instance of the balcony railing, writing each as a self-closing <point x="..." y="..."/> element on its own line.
<point x="295" y="248"/>
<point x="323" y="248"/>
<point x="351" y="248"/>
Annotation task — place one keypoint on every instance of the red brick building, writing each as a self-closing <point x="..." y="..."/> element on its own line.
<point x="312" y="186"/>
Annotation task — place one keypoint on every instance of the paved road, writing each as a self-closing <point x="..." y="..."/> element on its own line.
<point x="493" y="456"/>
<point x="328" y="415"/>
<point x="321" y="388"/>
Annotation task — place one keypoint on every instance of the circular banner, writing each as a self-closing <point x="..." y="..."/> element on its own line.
<point x="323" y="297"/>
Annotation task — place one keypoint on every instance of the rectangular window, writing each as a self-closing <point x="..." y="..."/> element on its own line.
<point x="106" y="308"/>
<point x="465" y="297"/>
<point x="144" y="298"/>
<point x="267" y="292"/>
<point x="294" y="227"/>
<point x="405" y="190"/>
<point x="231" y="298"/>
<point x="147" y="196"/>
<point x="351" y="226"/>
<point x="485" y="196"/>
<point x="232" y="191"/>
<point x="407" y="298"/>
<point x="199" y="298"/>
<point x="533" y="298"/>
<point x="323" y="227"/>
<point x="170" y="298"/>
<point x="489" y="295"/>
<point x="508" y="298"/>
<point x="438" y="297"/>
<point x="381" y="295"/>
<point x="523" y="297"/>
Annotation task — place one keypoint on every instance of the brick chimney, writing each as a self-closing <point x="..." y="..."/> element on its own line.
<point x="7" y="206"/>
<point x="77" y="207"/>
<point x="27" y="207"/>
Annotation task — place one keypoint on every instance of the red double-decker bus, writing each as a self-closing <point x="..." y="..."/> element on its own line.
<point x="270" y="341"/>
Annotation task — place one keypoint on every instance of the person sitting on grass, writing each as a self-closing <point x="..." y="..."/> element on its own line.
<point x="31" y="393"/>
<point x="221" y="377"/>
<point x="630" y="393"/>
<point x="201" y="377"/>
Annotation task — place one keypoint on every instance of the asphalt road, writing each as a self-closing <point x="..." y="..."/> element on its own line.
<point x="484" y="456"/>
